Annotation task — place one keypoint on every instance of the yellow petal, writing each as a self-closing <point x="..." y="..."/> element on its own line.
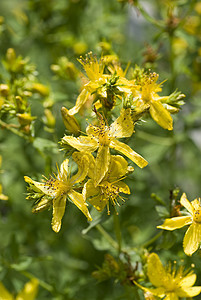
<point x="161" y="115"/>
<point x="118" y="167"/>
<point x="29" y="291"/>
<point x="192" y="238"/>
<point x="82" y="160"/>
<point x="41" y="187"/>
<point x="82" y="143"/>
<point x="189" y="292"/>
<point x="92" y="163"/>
<point x="63" y="174"/>
<point x="102" y="164"/>
<point x="4" y="293"/>
<point x="156" y="272"/>
<point x="123" y="188"/>
<point x="78" y="200"/>
<point x="99" y="202"/>
<point x="160" y="292"/>
<point x="188" y="205"/>
<point x="81" y="100"/>
<point x="175" y="223"/>
<point x="80" y="156"/>
<point x="196" y="204"/>
<point x="90" y="190"/>
<point x="187" y="281"/>
<point x="59" y="205"/>
<point x="171" y="296"/>
<point x="123" y="126"/>
<point x="127" y="151"/>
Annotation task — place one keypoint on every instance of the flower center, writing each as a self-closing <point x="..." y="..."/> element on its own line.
<point x="58" y="187"/>
<point x="110" y="191"/>
<point x="103" y="135"/>
<point x="197" y="215"/>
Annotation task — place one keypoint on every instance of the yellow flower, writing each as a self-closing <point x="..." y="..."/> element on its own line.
<point x="103" y="138"/>
<point x="29" y="291"/>
<point x="146" y="98"/>
<point x="192" y="238"/>
<point x="59" y="188"/>
<point x="111" y="185"/>
<point x="103" y="86"/>
<point x="169" y="282"/>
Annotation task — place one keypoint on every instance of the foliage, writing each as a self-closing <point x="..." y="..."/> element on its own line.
<point x="103" y="98"/>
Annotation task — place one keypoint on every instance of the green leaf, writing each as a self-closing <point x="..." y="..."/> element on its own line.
<point x="23" y="265"/>
<point x="162" y="211"/>
<point x="44" y="145"/>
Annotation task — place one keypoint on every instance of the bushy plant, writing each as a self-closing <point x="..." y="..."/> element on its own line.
<point x="102" y="98"/>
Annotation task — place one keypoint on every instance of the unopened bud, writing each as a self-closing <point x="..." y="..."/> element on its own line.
<point x="4" y="89"/>
<point x="49" y="118"/>
<point x="25" y="119"/>
<point x="10" y="56"/>
<point x="43" y="204"/>
<point x="41" y="89"/>
<point x="70" y="122"/>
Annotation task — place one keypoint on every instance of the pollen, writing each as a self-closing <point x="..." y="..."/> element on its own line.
<point x="197" y="216"/>
<point x="111" y="192"/>
<point x="57" y="187"/>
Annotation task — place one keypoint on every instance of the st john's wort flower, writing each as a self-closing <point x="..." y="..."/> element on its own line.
<point x="146" y="98"/>
<point x="102" y="86"/>
<point x="170" y="283"/>
<point x="103" y="137"/>
<point x="192" y="238"/>
<point x="110" y="187"/>
<point x="57" y="190"/>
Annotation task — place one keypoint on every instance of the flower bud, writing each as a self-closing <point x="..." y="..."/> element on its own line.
<point x="25" y="119"/>
<point x="49" y="119"/>
<point x="4" y="89"/>
<point x="70" y="122"/>
<point x="41" y="89"/>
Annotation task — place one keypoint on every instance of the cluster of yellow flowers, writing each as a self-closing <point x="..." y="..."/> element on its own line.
<point x="115" y="104"/>
<point x="106" y="92"/>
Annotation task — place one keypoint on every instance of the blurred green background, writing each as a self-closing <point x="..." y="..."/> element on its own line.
<point x="44" y="31"/>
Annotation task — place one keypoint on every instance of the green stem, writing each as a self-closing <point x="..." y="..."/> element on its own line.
<point x="172" y="63"/>
<point x="45" y="285"/>
<point x="117" y="231"/>
<point x="151" y="241"/>
<point x="110" y="240"/>
<point x="155" y="139"/>
<point x="151" y="20"/>
<point x="15" y="131"/>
